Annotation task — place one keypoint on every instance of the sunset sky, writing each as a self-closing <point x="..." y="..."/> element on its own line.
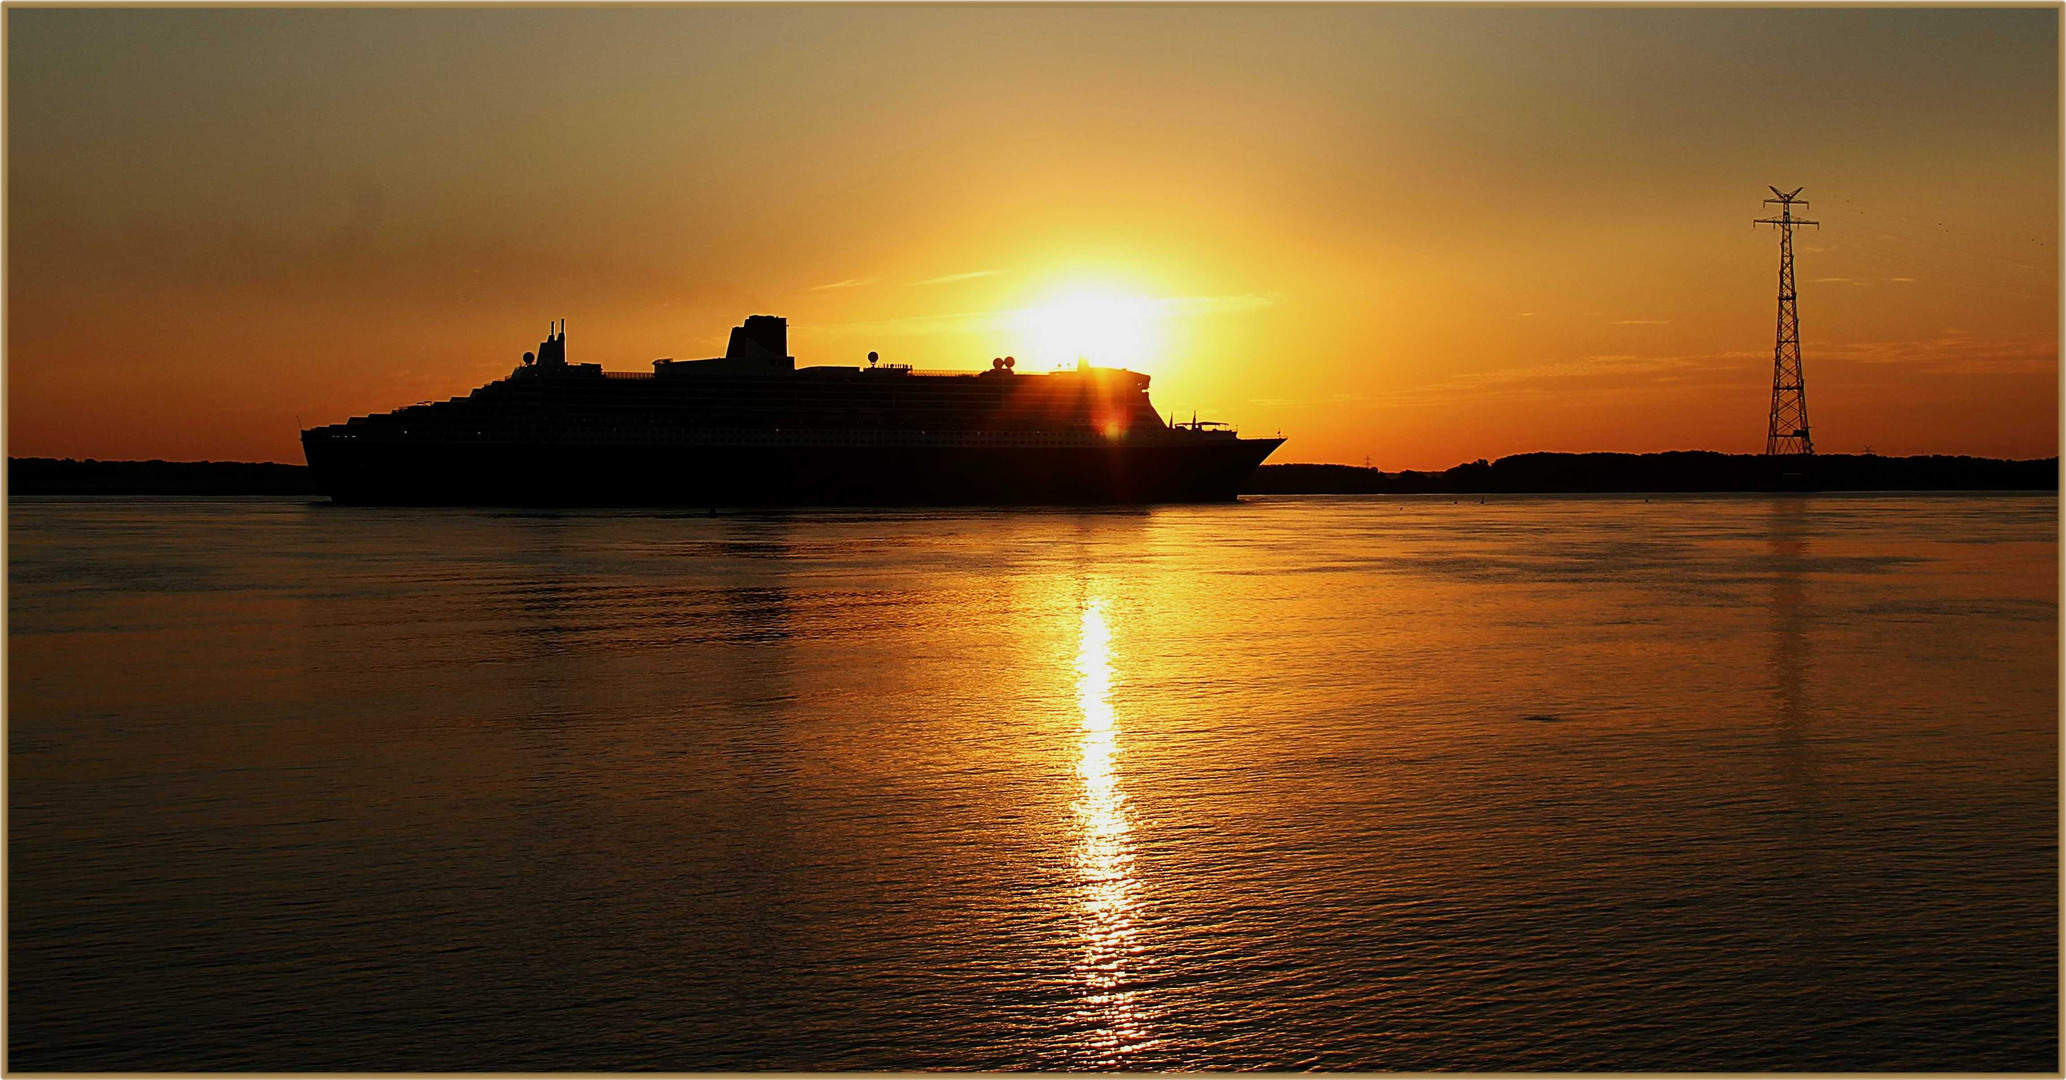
<point x="1420" y="235"/>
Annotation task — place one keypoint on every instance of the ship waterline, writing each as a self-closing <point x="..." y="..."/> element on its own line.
<point x="772" y="471"/>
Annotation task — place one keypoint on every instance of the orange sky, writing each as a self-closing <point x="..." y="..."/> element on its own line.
<point x="1417" y="234"/>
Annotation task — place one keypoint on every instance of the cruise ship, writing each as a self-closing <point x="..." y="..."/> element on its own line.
<point x="751" y="428"/>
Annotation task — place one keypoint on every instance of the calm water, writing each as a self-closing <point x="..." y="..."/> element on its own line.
<point x="1730" y="782"/>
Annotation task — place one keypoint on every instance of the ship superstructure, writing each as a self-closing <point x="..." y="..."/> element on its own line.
<point x="750" y="428"/>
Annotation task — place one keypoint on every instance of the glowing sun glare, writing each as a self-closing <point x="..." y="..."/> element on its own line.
<point x="1107" y="328"/>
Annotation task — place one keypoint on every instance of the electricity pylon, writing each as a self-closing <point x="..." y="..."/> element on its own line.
<point x="1787" y="433"/>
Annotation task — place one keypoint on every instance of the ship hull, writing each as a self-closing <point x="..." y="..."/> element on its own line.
<point x="480" y="473"/>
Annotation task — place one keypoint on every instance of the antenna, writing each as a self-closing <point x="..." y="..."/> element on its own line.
<point x="1787" y="430"/>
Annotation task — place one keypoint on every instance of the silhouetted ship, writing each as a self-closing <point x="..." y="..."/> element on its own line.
<point x="750" y="428"/>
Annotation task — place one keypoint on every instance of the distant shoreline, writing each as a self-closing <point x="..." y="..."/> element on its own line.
<point x="70" y="476"/>
<point x="1673" y="472"/>
<point x="1680" y="471"/>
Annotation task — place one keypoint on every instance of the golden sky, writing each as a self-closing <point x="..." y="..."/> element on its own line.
<point x="1416" y="234"/>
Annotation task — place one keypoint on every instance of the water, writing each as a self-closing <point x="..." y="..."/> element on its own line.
<point x="1568" y="783"/>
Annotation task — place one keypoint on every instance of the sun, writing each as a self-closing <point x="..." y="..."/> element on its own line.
<point x="1105" y="327"/>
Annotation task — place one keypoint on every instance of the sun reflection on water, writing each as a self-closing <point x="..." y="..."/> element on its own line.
<point x="1104" y="853"/>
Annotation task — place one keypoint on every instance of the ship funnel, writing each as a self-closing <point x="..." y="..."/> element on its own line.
<point x="552" y="352"/>
<point x="764" y="338"/>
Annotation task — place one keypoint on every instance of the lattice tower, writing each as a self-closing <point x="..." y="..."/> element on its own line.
<point x="1787" y="431"/>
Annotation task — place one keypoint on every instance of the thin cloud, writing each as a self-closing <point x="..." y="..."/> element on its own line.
<point x="966" y="321"/>
<point x="1956" y="352"/>
<point x="944" y="279"/>
<point x="955" y="322"/>
<point x="850" y="283"/>
<point x="1614" y="373"/>
<point x="1195" y="305"/>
